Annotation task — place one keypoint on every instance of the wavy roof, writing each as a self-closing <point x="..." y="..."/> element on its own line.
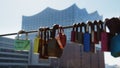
<point x="74" y="6"/>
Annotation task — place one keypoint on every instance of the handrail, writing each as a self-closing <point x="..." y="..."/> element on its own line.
<point x="33" y="31"/>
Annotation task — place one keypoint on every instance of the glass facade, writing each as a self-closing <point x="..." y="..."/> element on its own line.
<point x="6" y="42"/>
<point x="65" y="17"/>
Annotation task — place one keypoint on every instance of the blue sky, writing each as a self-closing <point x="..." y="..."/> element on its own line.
<point x="12" y="11"/>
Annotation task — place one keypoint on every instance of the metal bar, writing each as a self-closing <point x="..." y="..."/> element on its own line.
<point x="65" y="27"/>
<point x="8" y="34"/>
<point x="17" y="33"/>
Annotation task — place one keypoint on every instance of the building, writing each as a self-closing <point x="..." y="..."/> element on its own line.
<point x="49" y="16"/>
<point x="9" y="57"/>
<point x="6" y="42"/>
<point x="68" y="16"/>
<point x="73" y="56"/>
